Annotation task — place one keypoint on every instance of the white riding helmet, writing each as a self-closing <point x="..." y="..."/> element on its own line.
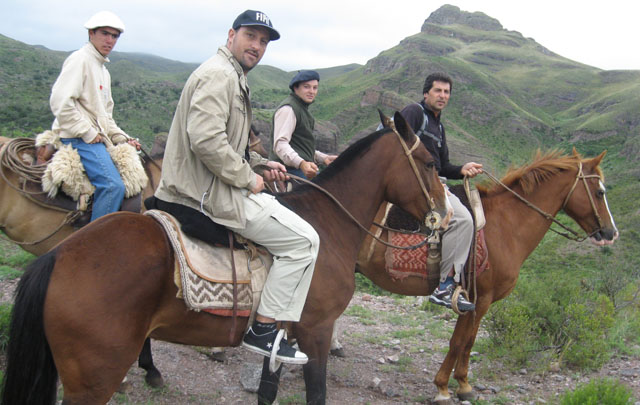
<point x="104" y="19"/>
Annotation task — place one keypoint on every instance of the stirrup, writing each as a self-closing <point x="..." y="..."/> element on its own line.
<point x="454" y="300"/>
<point x="274" y="364"/>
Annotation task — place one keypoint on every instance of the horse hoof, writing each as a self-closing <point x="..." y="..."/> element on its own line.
<point x="125" y="387"/>
<point x="338" y="352"/>
<point x="154" y="380"/>
<point x="467" y="396"/>
<point x="220" y="357"/>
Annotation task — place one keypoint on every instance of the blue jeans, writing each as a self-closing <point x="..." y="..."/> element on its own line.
<point x="102" y="173"/>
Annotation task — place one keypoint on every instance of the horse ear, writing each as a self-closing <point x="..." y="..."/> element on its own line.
<point x="386" y="121"/>
<point x="599" y="158"/>
<point x="402" y="127"/>
<point x="575" y="152"/>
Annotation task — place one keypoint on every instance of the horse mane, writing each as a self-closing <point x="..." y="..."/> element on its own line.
<point x="543" y="166"/>
<point x="344" y="159"/>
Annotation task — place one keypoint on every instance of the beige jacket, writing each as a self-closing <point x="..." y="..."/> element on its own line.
<point x="81" y="98"/>
<point x="204" y="166"/>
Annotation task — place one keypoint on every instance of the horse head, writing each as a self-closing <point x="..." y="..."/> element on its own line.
<point x="419" y="173"/>
<point x="587" y="204"/>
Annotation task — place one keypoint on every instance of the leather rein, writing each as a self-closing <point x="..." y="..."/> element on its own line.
<point x="432" y="219"/>
<point x="574" y="235"/>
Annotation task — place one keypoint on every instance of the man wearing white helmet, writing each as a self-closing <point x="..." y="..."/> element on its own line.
<point x="83" y="108"/>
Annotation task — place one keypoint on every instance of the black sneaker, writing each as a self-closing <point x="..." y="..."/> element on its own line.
<point x="263" y="344"/>
<point x="443" y="297"/>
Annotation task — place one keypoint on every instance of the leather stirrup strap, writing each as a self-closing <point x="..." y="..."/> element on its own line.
<point x="234" y="316"/>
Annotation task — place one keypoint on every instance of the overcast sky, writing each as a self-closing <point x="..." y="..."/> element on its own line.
<point x="327" y="33"/>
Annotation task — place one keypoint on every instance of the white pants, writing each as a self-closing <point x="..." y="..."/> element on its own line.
<point x="456" y="240"/>
<point x="294" y="245"/>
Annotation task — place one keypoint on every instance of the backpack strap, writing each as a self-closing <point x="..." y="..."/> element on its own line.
<point x="425" y="125"/>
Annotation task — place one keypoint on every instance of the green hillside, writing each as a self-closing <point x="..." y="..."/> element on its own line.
<point x="510" y="97"/>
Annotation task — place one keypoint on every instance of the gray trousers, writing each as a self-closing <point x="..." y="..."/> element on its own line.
<point x="456" y="240"/>
<point x="294" y="245"/>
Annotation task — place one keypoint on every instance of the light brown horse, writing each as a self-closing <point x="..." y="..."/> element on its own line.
<point x="84" y="309"/>
<point x="24" y="221"/>
<point x="552" y="182"/>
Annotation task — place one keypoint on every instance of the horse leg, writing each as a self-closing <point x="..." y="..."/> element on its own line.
<point x="268" y="389"/>
<point x="315" y="343"/>
<point x="145" y="361"/>
<point x="461" y="374"/>
<point x="465" y="327"/>
<point x="92" y="378"/>
<point x="336" y="347"/>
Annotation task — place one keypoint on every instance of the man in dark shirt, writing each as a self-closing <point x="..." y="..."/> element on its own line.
<point x="424" y="119"/>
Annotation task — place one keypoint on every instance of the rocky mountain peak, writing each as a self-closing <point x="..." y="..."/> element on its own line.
<point x="448" y="15"/>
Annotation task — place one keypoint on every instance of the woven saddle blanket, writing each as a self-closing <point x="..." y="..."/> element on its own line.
<point x="401" y="263"/>
<point x="203" y="272"/>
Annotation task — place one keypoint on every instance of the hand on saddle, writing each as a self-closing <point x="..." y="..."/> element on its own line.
<point x="309" y="169"/>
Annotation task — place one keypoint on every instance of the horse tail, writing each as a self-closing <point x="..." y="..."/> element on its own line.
<point x="30" y="376"/>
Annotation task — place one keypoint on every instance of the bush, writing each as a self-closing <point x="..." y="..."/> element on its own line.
<point x="587" y="329"/>
<point x="512" y="334"/>
<point x="597" y="392"/>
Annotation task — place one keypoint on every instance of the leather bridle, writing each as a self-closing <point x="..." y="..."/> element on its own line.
<point x="575" y="236"/>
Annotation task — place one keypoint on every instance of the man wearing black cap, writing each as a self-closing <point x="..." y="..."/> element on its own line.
<point x="292" y="141"/>
<point x="207" y="177"/>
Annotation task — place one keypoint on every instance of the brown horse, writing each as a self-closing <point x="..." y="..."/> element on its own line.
<point x="551" y="183"/>
<point x="23" y="221"/>
<point x="84" y="309"/>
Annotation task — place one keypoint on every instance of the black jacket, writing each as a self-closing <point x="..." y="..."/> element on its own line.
<point x="414" y="114"/>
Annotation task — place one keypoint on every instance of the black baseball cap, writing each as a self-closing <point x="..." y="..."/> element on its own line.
<point x="253" y="17"/>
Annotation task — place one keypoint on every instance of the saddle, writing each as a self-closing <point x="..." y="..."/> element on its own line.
<point x="401" y="263"/>
<point x="54" y="171"/>
<point x="203" y="272"/>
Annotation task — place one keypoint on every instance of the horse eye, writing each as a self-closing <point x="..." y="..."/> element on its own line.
<point x="600" y="193"/>
<point x="430" y="165"/>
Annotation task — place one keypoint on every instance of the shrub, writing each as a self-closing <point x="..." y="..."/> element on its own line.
<point x="596" y="392"/>
<point x="512" y="334"/>
<point x="587" y="329"/>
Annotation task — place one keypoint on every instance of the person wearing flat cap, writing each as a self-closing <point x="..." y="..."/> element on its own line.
<point x="208" y="177"/>
<point x="83" y="108"/>
<point x="292" y="140"/>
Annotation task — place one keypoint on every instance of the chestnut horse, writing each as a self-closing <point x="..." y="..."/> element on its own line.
<point x="83" y="310"/>
<point x="513" y="230"/>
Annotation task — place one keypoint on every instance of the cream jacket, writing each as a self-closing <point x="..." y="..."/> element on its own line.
<point x="204" y="164"/>
<point x="81" y="98"/>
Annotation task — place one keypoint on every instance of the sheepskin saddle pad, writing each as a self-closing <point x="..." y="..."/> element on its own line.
<point x="203" y="272"/>
<point x="65" y="171"/>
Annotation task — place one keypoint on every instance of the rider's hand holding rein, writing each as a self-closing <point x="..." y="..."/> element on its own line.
<point x="276" y="172"/>
<point x="471" y="169"/>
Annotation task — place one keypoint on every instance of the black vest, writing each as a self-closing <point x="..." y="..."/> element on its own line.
<point x="302" y="140"/>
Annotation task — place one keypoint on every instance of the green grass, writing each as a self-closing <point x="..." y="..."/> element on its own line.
<point x="9" y="273"/>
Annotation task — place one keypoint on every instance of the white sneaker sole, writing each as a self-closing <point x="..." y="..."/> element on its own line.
<point x="282" y="359"/>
